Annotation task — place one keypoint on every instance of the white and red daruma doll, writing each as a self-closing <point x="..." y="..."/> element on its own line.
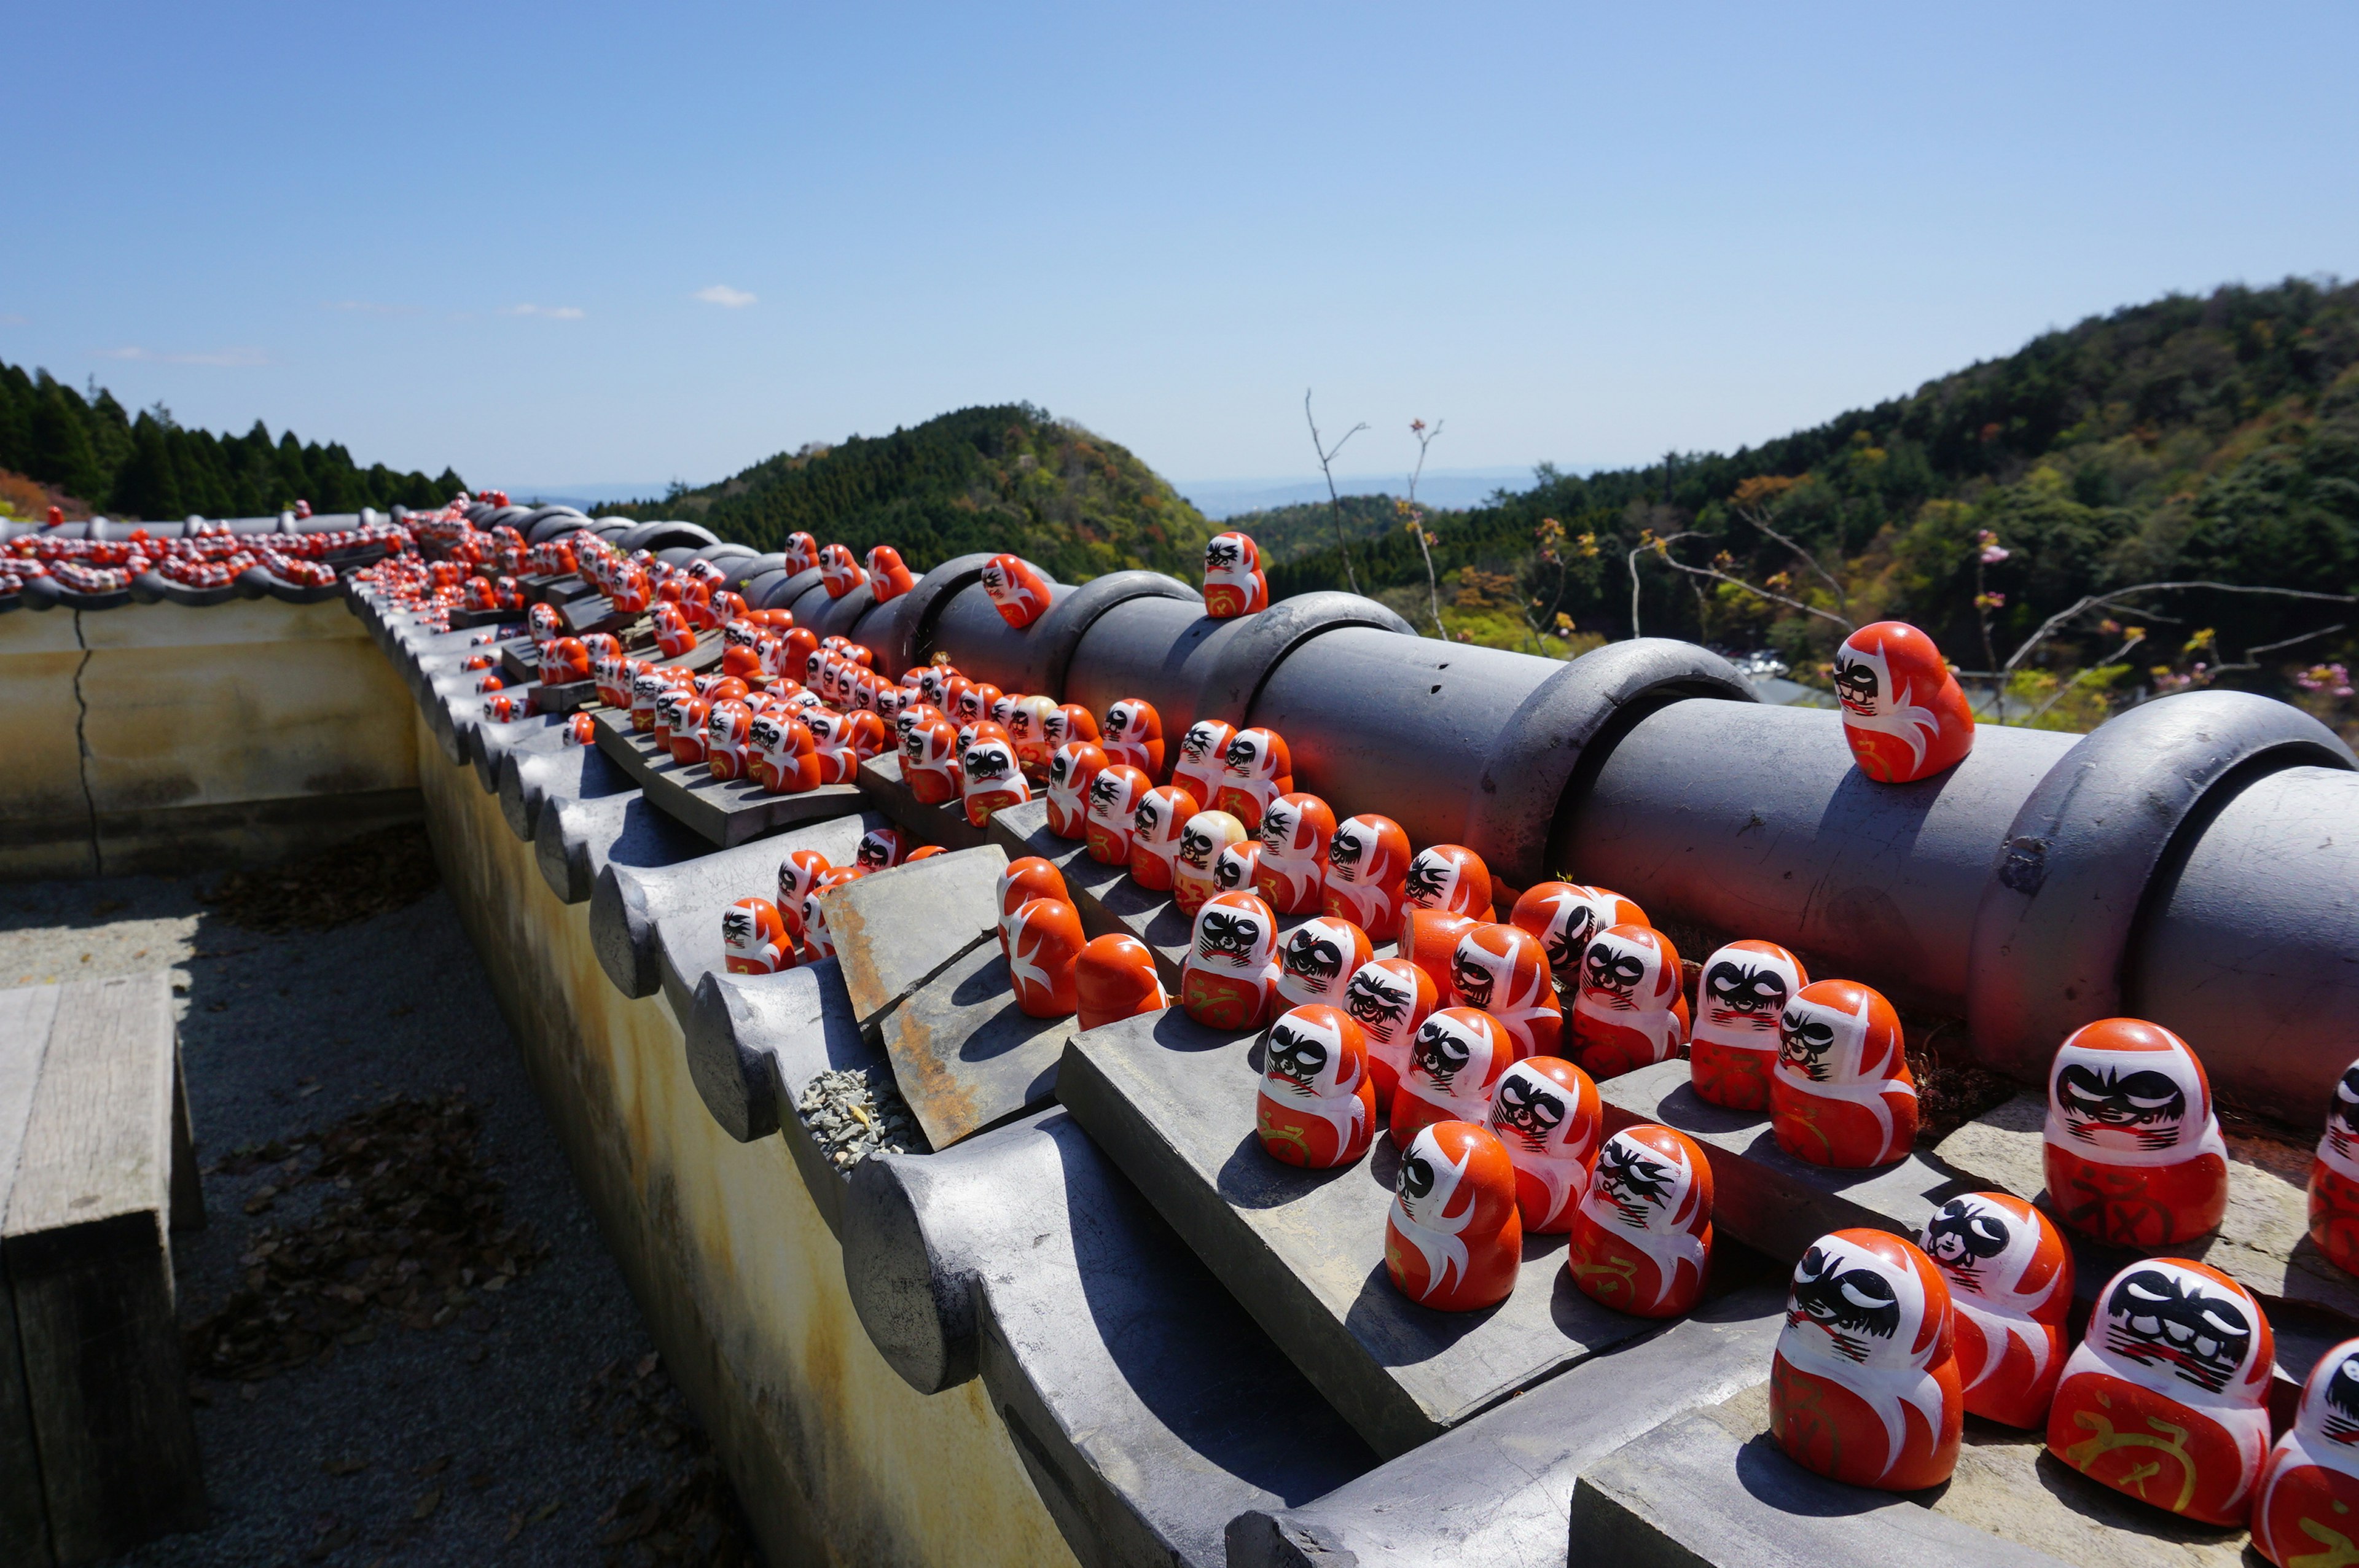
<point x="1154" y="829"/>
<point x="1566" y="916"/>
<point x="1114" y="795"/>
<point x="1546" y="1113"/>
<point x="1732" y="1048"/>
<point x="2010" y="1279"/>
<point x="786" y="758"/>
<point x="1502" y="970"/>
<point x="754" y="938"/>
<point x="1229" y="977"/>
<point x="888" y="576"/>
<point x="1017" y="590"/>
<point x="1114" y="979"/>
<point x="2334" y="1177"/>
<point x="1234" y="583"/>
<point x="507" y="706"/>
<point x="1073" y="767"/>
<point x="1027" y="726"/>
<point x="1020" y="881"/>
<point x="1864" y="1385"/>
<point x="2132" y="1152"/>
<point x="838" y="572"/>
<point x="1044" y="941"/>
<point x="930" y="764"/>
<point x="1316" y="1107"/>
<point x="1068" y="723"/>
<point x="1234" y="868"/>
<point x="991" y="779"/>
<point x="1641" y="1239"/>
<point x="741" y="643"/>
<point x="1255" y="769"/>
<point x="1455" y="1063"/>
<point x="2167" y="1398"/>
<point x="1367" y="866"/>
<point x="581" y="730"/>
<point x="2303" y="1510"/>
<point x="1197" y="767"/>
<point x="563" y="661"/>
<point x="1318" y="960"/>
<point x="1202" y="838"/>
<point x="1132" y="734"/>
<point x="1452" y="1239"/>
<point x="1429" y="939"/>
<point x="728" y="740"/>
<point x="1292" y="870"/>
<point x="881" y="850"/>
<point x="1450" y="878"/>
<point x="1389" y="998"/>
<point x="1841" y="1094"/>
<point x="798" y="874"/>
<point x="1630" y="1010"/>
<point x="801" y="552"/>
<point x="1904" y="714"/>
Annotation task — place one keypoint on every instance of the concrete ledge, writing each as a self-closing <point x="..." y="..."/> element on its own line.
<point x="1497" y="1491"/>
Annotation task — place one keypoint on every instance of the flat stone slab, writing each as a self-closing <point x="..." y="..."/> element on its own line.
<point x="1498" y="1489"/>
<point x="531" y="776"/>
<point x="965" y="1056"/>
<point x="1173" y="1104"/>
<point x="880" y="780"/>
<point x="1712" y="1487"/>
<point x="595" y="612"/>
<point x="725" y="814"/>
<point x="2263" y="1243"/>
<point x="893" y="932"/>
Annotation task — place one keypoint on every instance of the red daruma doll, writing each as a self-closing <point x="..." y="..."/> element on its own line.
<point x="1316" y="1107"/>
<point x="2010" y="1279"/>
<point x="2134" y="1155"/>
<point x="1455" y="1066"/>
<point x="1132" y="735"/>
<point x="1367" y="867"/>
<point x="1904" y="713"/>
<point x="1642" y="1232"/>
<point x="1073" y="767"/>
<point x="2309" y="1482"/>
<point x="1114" y="979"/>
<point x="1016" y="590"/>
<point x="1389" y="998"/>
<point x="1234" y="583"/>
<point x="1295" y="832"/>
<point x="1230" y="975"/>
<point x="754" y="938"/>
<point x="1502" y="970"/>
<point x="1199" y="765"/>
<point x="1202" y="840"/>
<point x="1566" y="916"/>
<point x="1841" y="1094"/>
<point x="2334" y="1178"/>
<point x="2166" y="1399"/>
<point x="1864" y="1387"/>
<point x="1453" y="1241"/>
<point x="1733" y="1046"/>
<point x="1546" y="1114"/>
<point x="1044" y="941"/>
<point x="1114" y="795"/>
<point x="1631" y="1012"/>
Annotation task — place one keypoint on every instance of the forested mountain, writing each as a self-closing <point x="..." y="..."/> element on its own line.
<point x="148" y="466"/>
<point x="2189" y="438"/>
<point x="1004" y="477"/>
<point x="1291" y="532"/>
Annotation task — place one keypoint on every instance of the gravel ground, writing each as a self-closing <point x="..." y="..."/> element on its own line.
<point x="533" y="1426"/>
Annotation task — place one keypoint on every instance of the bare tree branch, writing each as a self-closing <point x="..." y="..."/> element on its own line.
<point x="1662" y="547"/>
<point x="1425" y="439"/>
<point x="1842" y="600"/>
<point x="2252" y="655"/>
<point x="1751" y="588"/>
<point x="1326" y="459"/>
<point x="2079" y="676"/>
<point x="2099" y="600"/>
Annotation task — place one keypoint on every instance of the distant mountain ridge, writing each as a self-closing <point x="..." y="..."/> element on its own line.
<point x="1008" y="476"/>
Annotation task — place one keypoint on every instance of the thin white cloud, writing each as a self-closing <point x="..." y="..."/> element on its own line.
<point x="550" y="312"/>
<point x="720" y="294"/>
<point x="225" y="357"/>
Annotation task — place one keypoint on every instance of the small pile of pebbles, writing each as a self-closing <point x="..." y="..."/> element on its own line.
<point x="856" y="1114"/>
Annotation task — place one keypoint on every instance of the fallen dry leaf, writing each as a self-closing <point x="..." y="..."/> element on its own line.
<point x="427" y="1501"/>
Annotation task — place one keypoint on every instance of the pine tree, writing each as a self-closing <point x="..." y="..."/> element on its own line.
<point x="62" y="453"/>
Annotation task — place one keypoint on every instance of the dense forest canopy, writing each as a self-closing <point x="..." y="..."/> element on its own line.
<point x="2188" y="438"/>
<point x="1004" y="477"/>
<point x="88" y="449"/>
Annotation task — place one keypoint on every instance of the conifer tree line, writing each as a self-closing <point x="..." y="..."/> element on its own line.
<point x="150" y="467"/>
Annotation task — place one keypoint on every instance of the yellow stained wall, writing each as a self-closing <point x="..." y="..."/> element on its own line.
<point x="236" y="733"/>
<point x="836" y="1459"/>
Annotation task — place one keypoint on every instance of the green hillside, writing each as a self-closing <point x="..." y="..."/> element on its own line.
<point x="1004" y="477"/>
<point x="2189" y="438"/>
<point x="90" y="452"/>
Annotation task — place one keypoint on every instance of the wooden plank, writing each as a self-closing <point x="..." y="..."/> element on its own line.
<point x="91" y="1274"/>
<point x="25" y="1019"/>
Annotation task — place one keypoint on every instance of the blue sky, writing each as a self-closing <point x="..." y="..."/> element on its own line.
<point x="596" y="243"/>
